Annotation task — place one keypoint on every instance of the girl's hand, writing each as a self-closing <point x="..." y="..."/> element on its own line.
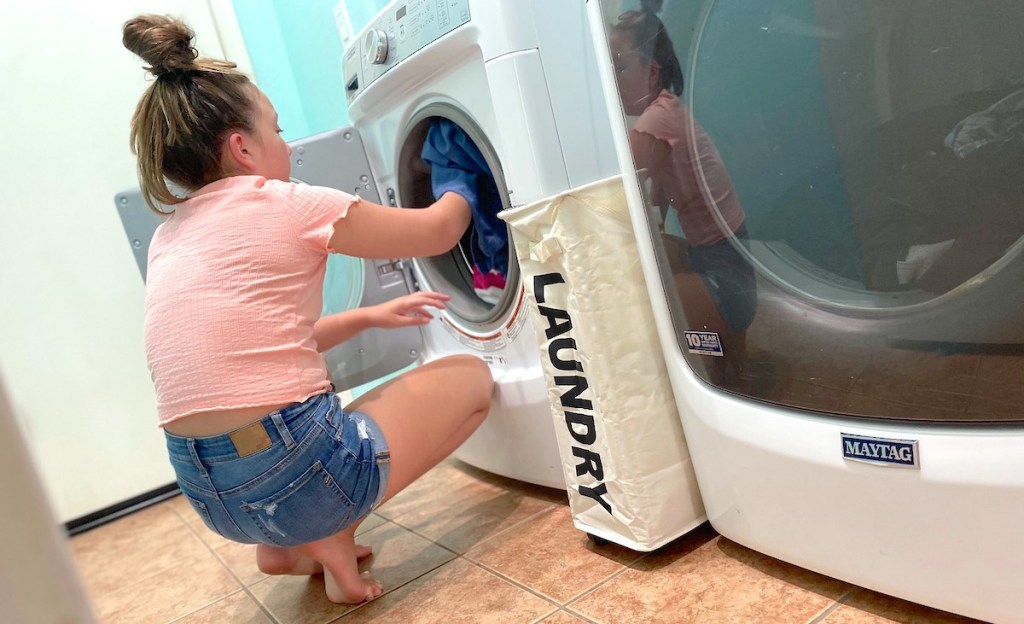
<point x="407" y="310"/>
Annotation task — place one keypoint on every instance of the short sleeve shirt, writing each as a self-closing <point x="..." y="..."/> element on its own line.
<point x="694" y="179"/>
<point x="234" y="286"/>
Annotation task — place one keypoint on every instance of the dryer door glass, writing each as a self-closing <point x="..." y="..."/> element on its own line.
<point x="837" y="191"/>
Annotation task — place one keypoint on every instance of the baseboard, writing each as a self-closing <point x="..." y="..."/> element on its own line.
<point x="120" y="510"/>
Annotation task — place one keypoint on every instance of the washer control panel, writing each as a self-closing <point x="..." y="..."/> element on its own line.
<point x="397" y="33"/>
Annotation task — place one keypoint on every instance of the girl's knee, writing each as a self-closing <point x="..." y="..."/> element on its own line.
<point x="474" y="376"/>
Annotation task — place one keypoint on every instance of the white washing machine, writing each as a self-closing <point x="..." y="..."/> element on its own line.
<point x="519" y="79"/>
<point x="869" y="423"/>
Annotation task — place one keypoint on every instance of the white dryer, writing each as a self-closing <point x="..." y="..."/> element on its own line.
<point x="519" y="79"/>
<point x="869" y="422"/>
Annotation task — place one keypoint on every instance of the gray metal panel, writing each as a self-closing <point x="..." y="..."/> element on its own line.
<point x="139" y="224"/>
<point x="334" y="159"/>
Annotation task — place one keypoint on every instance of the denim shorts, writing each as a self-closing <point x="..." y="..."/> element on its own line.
<point x="300" y="474"/>
<point x="729" y="278"/>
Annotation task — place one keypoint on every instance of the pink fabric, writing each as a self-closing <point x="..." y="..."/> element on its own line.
<point x="677" y="182"/>
<point x="234" y="286"/>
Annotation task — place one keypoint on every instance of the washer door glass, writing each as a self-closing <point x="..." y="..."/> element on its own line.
<point x="837" y="191"/>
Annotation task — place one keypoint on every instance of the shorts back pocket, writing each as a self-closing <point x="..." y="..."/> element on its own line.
<point x="309" y="508"/>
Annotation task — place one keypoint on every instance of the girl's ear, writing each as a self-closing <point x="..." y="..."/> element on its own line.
<point x="238" y="153"/>
<point x="654" y="77"/>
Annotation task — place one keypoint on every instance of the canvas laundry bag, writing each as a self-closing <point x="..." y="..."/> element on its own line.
<point x="627" y="469"/>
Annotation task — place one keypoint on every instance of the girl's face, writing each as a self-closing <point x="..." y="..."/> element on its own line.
<point x="636" y="76"/>
<point x="272" y="154"/>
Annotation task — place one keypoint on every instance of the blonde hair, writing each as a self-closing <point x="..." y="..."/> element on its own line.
<point x="183" y="118"/>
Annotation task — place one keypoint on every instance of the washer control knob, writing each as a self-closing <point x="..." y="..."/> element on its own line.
<point x="376" y="46"/>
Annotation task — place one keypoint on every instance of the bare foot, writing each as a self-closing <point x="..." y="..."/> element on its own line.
<point x="365" y="588"/>
<point x="340" y="556"/>
<point x="275" y="560"/>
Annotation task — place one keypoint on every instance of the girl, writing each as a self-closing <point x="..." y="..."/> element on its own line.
<point x="260" y="445"/>
<point x="715" y="281"/>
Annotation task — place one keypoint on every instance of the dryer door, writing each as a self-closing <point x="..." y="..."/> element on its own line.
<point x="834" y="202"/>
<point x="334" y="159"/>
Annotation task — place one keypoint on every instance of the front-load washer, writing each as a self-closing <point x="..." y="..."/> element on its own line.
<point x="866" y="419"/>
<point x="519" y="80"/>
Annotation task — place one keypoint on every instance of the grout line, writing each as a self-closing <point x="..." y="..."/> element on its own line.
<point x="513" y="582"/>
<point x="142" y="579"/>
<point x="577" y="614"/>
<point x="546" y="616"/>
<point x="831" y="608"/>
<point x="627" y="566"/>
<point x="393" y="589"/>
<point x="483" y="541"/>
<point x="596" y="586"/>
<point x="397" y="587"/>
<point x="224" y="565"/>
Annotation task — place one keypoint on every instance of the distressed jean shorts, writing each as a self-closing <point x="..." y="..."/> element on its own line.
<point x="300" y="474"/>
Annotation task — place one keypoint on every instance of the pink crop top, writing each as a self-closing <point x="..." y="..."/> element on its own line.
<point x="234" y="286"/>
<point x="693" y="180"/>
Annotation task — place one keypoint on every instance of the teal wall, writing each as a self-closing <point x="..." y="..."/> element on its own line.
<point x="296" y="52"/>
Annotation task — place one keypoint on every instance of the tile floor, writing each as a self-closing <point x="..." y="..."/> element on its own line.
<point x="462" y="545"/>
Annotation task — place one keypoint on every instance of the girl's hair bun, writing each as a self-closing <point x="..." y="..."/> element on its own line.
<point x="162" y="41"/>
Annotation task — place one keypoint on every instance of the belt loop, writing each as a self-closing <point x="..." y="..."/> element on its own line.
<point x="332" y="408"/>
<point x="191" y="443"/>
<point x="286" y="436"/>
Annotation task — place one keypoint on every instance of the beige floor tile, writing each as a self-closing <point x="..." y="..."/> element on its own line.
<point x="563" y="617"/>
<point x="868" y="607"/>
<point x="238" y="608"/>
<point x="458" y="592"/>
<point x="704" y="578"/>
<point x="399" y="557"/>
<point x="370" y="523"/>
<point x="169" y="595"/>
<point x="131" y="549"/>
<point x="552" y="557"/>
<point x="241" y="560"/>
<point x="459" y="507"/>
<point x="297" y="600"/>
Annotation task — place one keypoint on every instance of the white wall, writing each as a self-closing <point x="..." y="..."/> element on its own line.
<point x="71" y="298"/>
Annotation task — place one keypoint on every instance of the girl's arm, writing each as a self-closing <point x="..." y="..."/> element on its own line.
<point x="335" y="329"/>
<point x="373" y="231"/>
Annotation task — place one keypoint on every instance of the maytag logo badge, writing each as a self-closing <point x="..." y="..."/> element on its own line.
<point x="881" y="451"/>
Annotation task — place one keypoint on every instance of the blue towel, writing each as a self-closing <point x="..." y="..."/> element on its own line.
<point x="458" y="166"/>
